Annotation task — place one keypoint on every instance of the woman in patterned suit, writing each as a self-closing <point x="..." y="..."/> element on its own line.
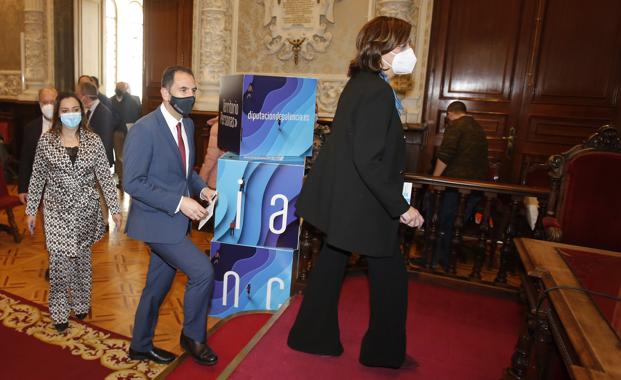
<point x="69" y="162"/>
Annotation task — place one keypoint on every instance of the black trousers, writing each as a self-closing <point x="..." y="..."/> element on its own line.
<point x="316" y="329"/>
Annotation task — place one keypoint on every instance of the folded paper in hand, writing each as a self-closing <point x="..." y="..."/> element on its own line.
<point x="210" y="208"/>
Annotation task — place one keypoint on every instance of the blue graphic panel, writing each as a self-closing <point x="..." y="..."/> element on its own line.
<point x="256" y="201"/>
<point x="249" y="278"/>
<point x="277" y="115"/>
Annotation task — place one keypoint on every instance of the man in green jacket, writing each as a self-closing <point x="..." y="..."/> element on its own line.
<point x="463" y="154"/>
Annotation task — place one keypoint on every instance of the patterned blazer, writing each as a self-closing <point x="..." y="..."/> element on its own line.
<point x="72" y="215"/>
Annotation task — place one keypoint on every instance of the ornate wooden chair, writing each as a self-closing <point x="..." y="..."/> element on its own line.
<point x="585" y="205"/>
<point x="7" y="202"/>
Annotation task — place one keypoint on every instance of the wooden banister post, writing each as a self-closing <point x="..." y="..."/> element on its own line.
<point x="482" y="246"/>
<point x="507" y="246"/>
<point x="432" y="237"/>
<point x="457" y="227"/>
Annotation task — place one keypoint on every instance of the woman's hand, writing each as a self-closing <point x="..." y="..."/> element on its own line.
<point x="412" y="218"/>
<point x="118" y="220"/>
<point x="31" y="220"/>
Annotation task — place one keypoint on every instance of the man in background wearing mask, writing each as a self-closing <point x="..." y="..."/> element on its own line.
<point x="99" y="117"/>
<point x="30" y="139"/>
<point x="128" y="108"/>
<point x="158" y="174"/>
<point x="32" y="132"/>
<point x="102" y="97"/>
<point x="102" y="121"/>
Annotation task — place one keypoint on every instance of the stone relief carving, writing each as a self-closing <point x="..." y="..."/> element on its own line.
<point x="216" y="39"/>
<point x="406" y="10"/>
<point x="394" y="8"/>
<point x="328" y="92"/>
<point x="297" y="27"/>
<point x="10" y="83"/>
<point x="214" y="26"/>
<point x="34" y="49"/>
<point x="38" y="47"/>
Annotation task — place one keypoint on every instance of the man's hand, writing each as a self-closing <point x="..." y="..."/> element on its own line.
<point x="23" y="197"/>
<point x="118" y="220"/>
<point x="207" y="194"/>
<point x="192" y="209"/>
<point x="412" y="218"/>
<point x="439" y="169"/>
<point x="30" y="223"/>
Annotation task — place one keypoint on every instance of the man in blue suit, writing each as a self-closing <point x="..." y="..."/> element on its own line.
<point x="158" y="174"/>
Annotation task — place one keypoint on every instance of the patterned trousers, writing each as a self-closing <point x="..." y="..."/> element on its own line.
<point x="71" y="280"/>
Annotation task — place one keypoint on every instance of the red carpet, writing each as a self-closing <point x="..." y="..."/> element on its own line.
<point x="30" y="348"/>
<point x="227" y="341"/>
<point x="453" y="335"/>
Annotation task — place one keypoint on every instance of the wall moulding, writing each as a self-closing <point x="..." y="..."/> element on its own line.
<point x="38" y="48"/>
<point x="10" y="83"/>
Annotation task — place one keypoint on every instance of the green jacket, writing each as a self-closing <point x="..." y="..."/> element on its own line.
<point x="464" y="150"/>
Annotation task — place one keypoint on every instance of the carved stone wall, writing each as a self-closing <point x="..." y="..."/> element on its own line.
<point x="411" y="88"/>
<point x="34" y="38"/>
<point x="229" y="37"/>
<point x="11" y="24"/>
<point x="37" y="69"/>
<point x="212" y="42"/>
<point x="10" y="83"/>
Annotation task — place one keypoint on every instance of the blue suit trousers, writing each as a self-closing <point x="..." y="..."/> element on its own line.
<point x="165" y="260"/>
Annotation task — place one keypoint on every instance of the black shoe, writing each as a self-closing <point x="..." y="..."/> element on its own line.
<point x="81" y="316"/>
<point x="155" y="355"/>
<point x="61" y="327"/>
<point x="200" y="352"/>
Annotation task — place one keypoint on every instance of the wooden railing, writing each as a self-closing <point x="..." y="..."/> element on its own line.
<point x="500" y="209"/>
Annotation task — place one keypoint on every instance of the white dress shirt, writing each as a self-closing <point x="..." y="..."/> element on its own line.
<point x="46" y="125"/>
<point x="172" y="125"/>
<point x="92" y="109"/>
<point x="171" y="122"/>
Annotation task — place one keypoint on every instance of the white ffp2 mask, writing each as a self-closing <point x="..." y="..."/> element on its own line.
<point x="403" y="62"/>
<point x="48" y="111"/>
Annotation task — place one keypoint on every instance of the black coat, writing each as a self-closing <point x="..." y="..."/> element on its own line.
<point x="354" y="191"/>
<point x="30" y="138"/>
<point x="128" y="109"/>
<point x="104" y="123"/>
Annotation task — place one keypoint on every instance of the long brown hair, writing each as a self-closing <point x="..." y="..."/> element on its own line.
<point x="57" y="124"/>
<point x="376" y="38"/>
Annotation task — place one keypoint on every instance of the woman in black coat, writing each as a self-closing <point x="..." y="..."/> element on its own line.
<point x="354" y="195"/>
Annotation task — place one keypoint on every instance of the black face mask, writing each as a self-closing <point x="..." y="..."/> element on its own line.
<point x="182" y="105"/>
<point x="119" y="93"/>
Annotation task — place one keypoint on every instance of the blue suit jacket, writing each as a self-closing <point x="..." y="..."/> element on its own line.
<point x="154" y="177"/>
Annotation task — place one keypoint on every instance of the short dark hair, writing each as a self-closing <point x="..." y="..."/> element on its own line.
<point x="88" y="89"/>
<point x="168" y="77"/>
<point x="457" y="107"/>
<point x="377" y="37"/>
<point x="90" y="78"/>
